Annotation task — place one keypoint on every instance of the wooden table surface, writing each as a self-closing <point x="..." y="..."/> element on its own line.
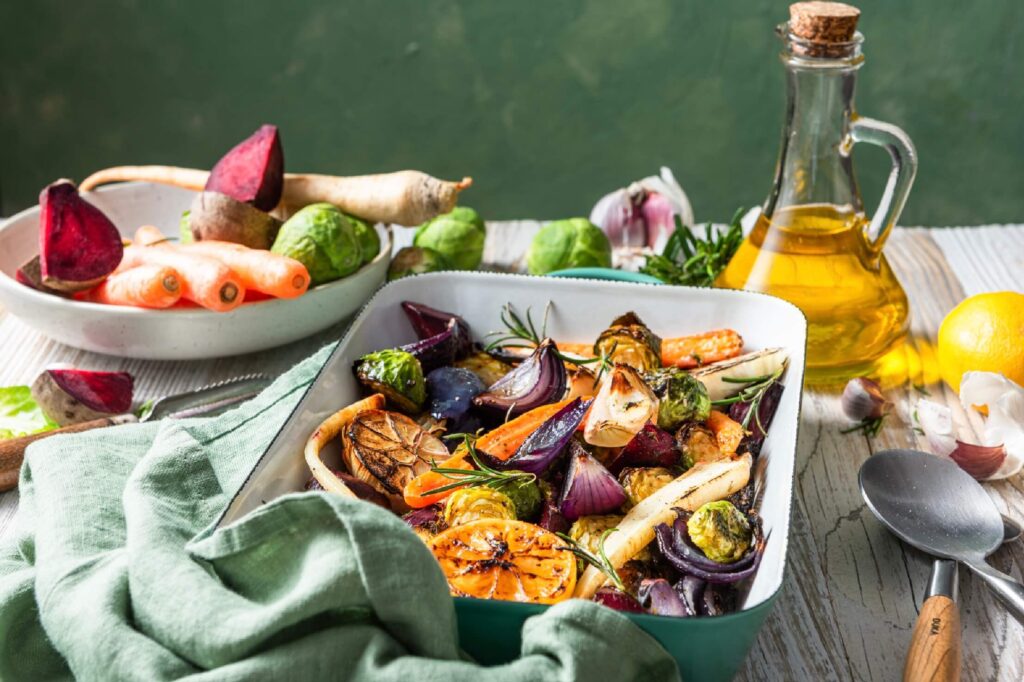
<point x="852" y="591"/>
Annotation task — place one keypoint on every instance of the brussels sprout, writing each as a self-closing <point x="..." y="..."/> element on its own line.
<point x="681" y="398"/>
<point x="571" y="243"/>
<point x="526" y="497"/>
<point x="323" y="239"/>
<point x="642" y="482"/>
<point x="629" y="341"/>
<point x="485" y="366"/>
<point x="479" y="502"/>
<point x="415" y="260"/>
<point x="366" y="235"/>
<point x="185" y="229"/>
<point x="721" y="531"/>
<point x="396" y="374"/>
<point x="697" y="443"/>
<point x="458" y="236"/>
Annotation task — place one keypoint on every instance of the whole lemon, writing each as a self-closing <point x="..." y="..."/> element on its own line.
<point x="984" y="333"/>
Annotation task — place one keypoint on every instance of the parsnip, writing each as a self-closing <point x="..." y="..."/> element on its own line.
<point x="705" y="482"/>
<point x="757" y="363"/>
<point x="327" y="431"/>
<point x="403" y="198"/>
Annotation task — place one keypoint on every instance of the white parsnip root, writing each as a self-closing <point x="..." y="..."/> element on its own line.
<point x="402" y="198"/>
<point x="705" y="482"/>
<point x="325" y="433"/>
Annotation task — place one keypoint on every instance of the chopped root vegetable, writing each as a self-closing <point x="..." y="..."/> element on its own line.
<point x="145" y="286"/>
<point x="728" y="432"/>
<point x="203" y="280"/>
<point x="701" y="349"/>
<point x="329" y="429"/>
<point x="583" y="350"/>
<point x="404" y="198"/>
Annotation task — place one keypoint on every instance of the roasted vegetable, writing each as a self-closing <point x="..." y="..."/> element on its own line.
<point x="722" y="379"/>
<point x="525" y="496"/>
<point x="757" y="424"/>
<point x="387" y="449"/>
<point x="721" y="531"/>
<point x="458" y="236"/>
<point x="488" y="368"/>
<point x="697" y="443"/>
<point x="539" y="380"/>
<point x="550" y="518"/>
<point x="615" y="598"/>
<point x="436" y="351"/>
<point x="651" y="447"/>
<point x="427" y="322"/>
<point x="426" y="522"/>
<point x="630" y="342"/>
<point x="588" y="488"/>
<point x="642" y="482"/>
<point x="623" y="405"/>
<point x="415" y="260"/>
<point x="586" y="531"/>
<point x="451" y="391"/>
<point x="479" y="502"/>
<point x="543" y="446"/>
<point x="581" y="381"/>
<point x="397" y="374"/>
<point x="364" y="491"/>
<point x="681" y="398"/>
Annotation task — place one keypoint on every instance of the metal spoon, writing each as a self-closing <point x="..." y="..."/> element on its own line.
<point x="933" y="505"/>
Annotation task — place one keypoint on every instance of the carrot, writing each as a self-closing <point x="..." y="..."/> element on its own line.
<point x="501" y="443"/>
<point x="270" y="273"/>
<point x="584" y="350"/>
<point x="204" y="280"/>
<point x="148" y="235"/>
<point x="405" y="197"/>
<point x="728" y="432"/>
<point x="145" y="286"/>
<point x="701" y="349"/>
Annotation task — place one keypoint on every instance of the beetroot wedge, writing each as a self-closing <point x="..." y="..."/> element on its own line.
<point x="253" y="171"/>
<point x="78" y="245"/>
<point x="73" y="396"/>
<point x="29" y="275"/>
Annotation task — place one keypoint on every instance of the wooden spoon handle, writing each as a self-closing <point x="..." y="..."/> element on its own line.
<point x="934" y="653"/>
<point x="12" y="450"/>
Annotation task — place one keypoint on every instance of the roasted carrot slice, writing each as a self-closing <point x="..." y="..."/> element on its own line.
<point x="701" y="349"/>
<point x="728" y="432"/>
<point x="584" y="350"/>
<point x="147" y="286"/>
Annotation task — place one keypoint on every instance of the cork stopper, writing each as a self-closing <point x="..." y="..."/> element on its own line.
<point x="824" y="29"/>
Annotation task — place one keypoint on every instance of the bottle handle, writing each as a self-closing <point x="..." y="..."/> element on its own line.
<point x="904" y="168"/>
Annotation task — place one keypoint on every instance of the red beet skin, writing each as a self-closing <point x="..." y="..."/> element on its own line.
<point x="253" y="171"/>
<point x="78" y="245"/>
<point x="107" y="392"/>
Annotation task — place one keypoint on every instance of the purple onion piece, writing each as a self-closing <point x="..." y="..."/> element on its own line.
<point x="419" y="517"/>
<point x="657" y="596"/>
<point x="427" y="322"/>
<point x="652" y="447"/>
<point x="544" y="445"/>
<point x="589" y="488"/>
<point x="677" y="540"/>
<point x="362" y="490"/>
<point x="691" y="590"/>
<point x="765" y="412"/>
<point x="710" y="603"/>
<point x="550" y="518"/>
<point x="616" y="599"/>
<point x="684" y="565"/>
<point x="450" y="392"/>
<point x="437" y="350"/>
<point x="539" y="380"/>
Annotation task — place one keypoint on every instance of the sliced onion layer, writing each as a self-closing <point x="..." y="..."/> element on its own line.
<point x="539" y="380"/>
<point x="589" y="488"/>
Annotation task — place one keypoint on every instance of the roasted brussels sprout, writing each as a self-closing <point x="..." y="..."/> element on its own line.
<point x="681" y="398"/>
<point x="642" y="482"/>
<point x="721" y="531"/>
<point x="697" y="443"/>
<point x="570" y="243"/>
<point x="458" y="236"/>
<point x="415" y="260"/>
<point x="396" y="374"/>
<point x="629" y="341"/>
<point x="526" y="497"/>
<point x="479" y="502"/>
<point x="488" y="368"/>
<point x="586" y="531"/>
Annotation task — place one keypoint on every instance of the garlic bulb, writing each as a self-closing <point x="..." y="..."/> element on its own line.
<point x="642" y="215"/>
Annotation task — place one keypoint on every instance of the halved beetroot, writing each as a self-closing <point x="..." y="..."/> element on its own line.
<point x="78" y="245"/>
<point x="253" y="171"/>
<point x="30" y="276"/>
<point x="72" y="396"/>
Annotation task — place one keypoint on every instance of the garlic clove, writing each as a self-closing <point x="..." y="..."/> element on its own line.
<point x="980" y="461"/>
<point x="936" y="420"/>
<point x="863" y="399"/>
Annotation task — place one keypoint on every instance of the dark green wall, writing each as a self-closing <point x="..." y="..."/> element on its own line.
<point x="548" y="104"/>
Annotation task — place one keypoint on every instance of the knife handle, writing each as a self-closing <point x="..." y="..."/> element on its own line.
<point x="935" y="645"/>
<point x="12" y="450"/>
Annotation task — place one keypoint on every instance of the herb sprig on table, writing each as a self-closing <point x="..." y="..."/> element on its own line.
<point x="690" y="260"/>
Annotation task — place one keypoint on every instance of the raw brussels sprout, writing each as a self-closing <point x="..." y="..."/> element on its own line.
<point x="366" y="235"/>
<point x="415" y="260"/>
<point x="628" y="341"/>
<point x="396" y="374"/>
<point x="642" y="482"/>
<point x="571" y="243"/>
<point x="681" y="397"/>
<point x="721" y="531"/>
<point x="458" y="236"/>
<point x="697" y="443"/>
<point x="526" y="497"/>
<point x="485" y="366"/>
<point x="323" y="239"/>
<point x="479" y="502"/>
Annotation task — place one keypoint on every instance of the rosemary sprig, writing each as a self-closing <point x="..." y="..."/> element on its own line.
<point x="753" y="392"/>
<point x="869" y="426"/>
<point x="483" y="475"/>
<point x="600" y="561"/>
<point x="521" y="332"/>
<point x="692" y="261"/>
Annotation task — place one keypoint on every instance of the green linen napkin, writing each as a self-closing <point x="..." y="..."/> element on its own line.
<point x="117" y="572"/>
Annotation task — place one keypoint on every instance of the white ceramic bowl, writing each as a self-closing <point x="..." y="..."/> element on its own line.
<point x="178" y="334"/>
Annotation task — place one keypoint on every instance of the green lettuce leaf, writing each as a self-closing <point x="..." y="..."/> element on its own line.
<point x="20" y="414"/>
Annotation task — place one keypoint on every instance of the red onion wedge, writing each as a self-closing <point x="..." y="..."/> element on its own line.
<point x="550" y="518"/>
<point x="615" y="598"/>
<point x="539" y="380"/>
<point x="543" y="446"/>
<point x="438" y="350"/>
<point x="589" y="488"/>
<point x="657" y="596"/>
<point x="361" y="490"/>
<point x="759" y="423"/>
<point x="685" y="559"/>
<point x="691" y="590"/>
<point x="427" y="322"/>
